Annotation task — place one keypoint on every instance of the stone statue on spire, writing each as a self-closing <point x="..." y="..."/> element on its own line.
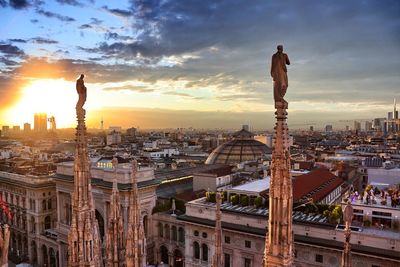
<point x="82" y="92"/>
<point x="279" y="75"/>
<point x="84" y="248"/>
<point x="279" y="243"/>
<point x="348" y="217"/>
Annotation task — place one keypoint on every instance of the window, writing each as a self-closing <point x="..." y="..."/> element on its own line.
<point x="227" y="239"/>
<point x="227" y="260"/>
<point x="204" y="251"/>
<point x="47" y="223"/>
<point x="319" y="258"/>
<point x="160" y="230"/>
<point x="49" y="204"/>
<point x="167" y="233"/>
<point x="204" y="234"/>
<point x="44" y="204"/>
<point x="196" y="233"/>
<point x="174" y="233"/>
<point x="196" y="250"/>
<point x="181" y="234"/>
<point x="247" y="262"/>
<point x="247" y="244"/>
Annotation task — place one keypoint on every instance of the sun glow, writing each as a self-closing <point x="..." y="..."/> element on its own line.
<point x="55" y="97"/>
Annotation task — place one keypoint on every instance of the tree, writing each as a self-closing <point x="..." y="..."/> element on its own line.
<point x="258" y="202"/>
<point x="235" y="199"/>
<point x="211" y="197"/>
<point x="244" y="200"/>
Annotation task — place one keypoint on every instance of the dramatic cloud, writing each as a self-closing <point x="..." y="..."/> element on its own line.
<point x="96" y="21"/>
<point x="11" y="50"/>
<point x="218" y="52"/>
<point x="17" y="40"/>
<point x="8" y="62"/>
<point x="118" y="12"/>
<point x="139" y="89"/>
<point x="85" y="26"/>
<point x="116" y="36"/>
<point x="19" y="4"/>
<point x="174" y="93"/>
<point x="41" y="40"/>
<point x="70" y="2"/>
<point x="54" y="15"/>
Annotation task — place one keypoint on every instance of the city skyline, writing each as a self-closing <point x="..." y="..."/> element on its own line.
<point x="201" y="65"/>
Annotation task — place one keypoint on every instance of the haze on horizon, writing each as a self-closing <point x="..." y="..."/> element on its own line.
<point x="166" y="64"/>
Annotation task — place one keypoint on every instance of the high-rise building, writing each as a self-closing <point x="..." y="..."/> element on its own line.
<point x="40" y="122"/>
<point x="246" y="127"/>
<point x="27" y="127"/>
<point x="16" y="128"/>
<point x="52" y="122"/>
<point x="131" y="131"/>
<point x="368" y="126"/>
<point x="5" y="130"/>
<point x="357" y="126"/>
<point x="378" y="124"/>
<point x="328" y="128"/>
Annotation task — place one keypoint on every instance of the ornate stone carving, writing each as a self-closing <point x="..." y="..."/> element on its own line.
<point x="84" y="237"/>
<point x="279" y="240"/>
<point x="115" y="241"/>
<point x="217" y="258"/>
<point x="135" y="240"/>
<point x="4" y="244"/>
<point x="348" y="217"/>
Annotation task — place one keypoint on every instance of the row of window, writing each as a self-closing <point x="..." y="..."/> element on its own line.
<point x="227" y="239"/>
<point x="247" y="243"/>
<point x="172" y="232"/>
<point x="13" y="199"/>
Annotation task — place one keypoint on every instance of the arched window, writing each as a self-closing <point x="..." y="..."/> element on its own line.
<point x="47" y="222"/>
<point x="181" y="235"/>
<point x="145" y="225"/>
<point x="160" y="230"/>
<point x="204" y="250"/>
<point x="196" y="250"/>
<point x="49" y="204"/>
<point x="167" y="233"/>
<point x="44" y="204"/>
<point x="33" y="226"/>
<point x="174" y="233"/>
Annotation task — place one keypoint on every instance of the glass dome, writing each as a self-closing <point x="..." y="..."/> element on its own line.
<point x="242" y="148"/>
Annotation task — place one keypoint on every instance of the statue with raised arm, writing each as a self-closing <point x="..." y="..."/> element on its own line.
<point x="279" y="75"/>
<point x="347" y="217"/>
<point x="81" y="90"/>
<point x="348" y="214"/>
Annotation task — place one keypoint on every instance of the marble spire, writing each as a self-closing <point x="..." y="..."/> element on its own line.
<point x="348" y="216"/>
<point x="279" y="240"/>
<point x="115" y="241"/>
<point x="84" y="238"/>
<point x="217" y="258"/>
<point x="135" y="240"/>
<point x="4" y="244"/>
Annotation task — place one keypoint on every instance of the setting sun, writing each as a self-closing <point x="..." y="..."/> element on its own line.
<point x="55" y="97"/>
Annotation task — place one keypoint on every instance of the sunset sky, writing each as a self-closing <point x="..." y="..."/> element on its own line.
<point x="181" y="63"/>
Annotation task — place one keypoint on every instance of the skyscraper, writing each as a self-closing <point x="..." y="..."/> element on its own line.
<point x="27" y="127"/>
<point x="40" y="122"/>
